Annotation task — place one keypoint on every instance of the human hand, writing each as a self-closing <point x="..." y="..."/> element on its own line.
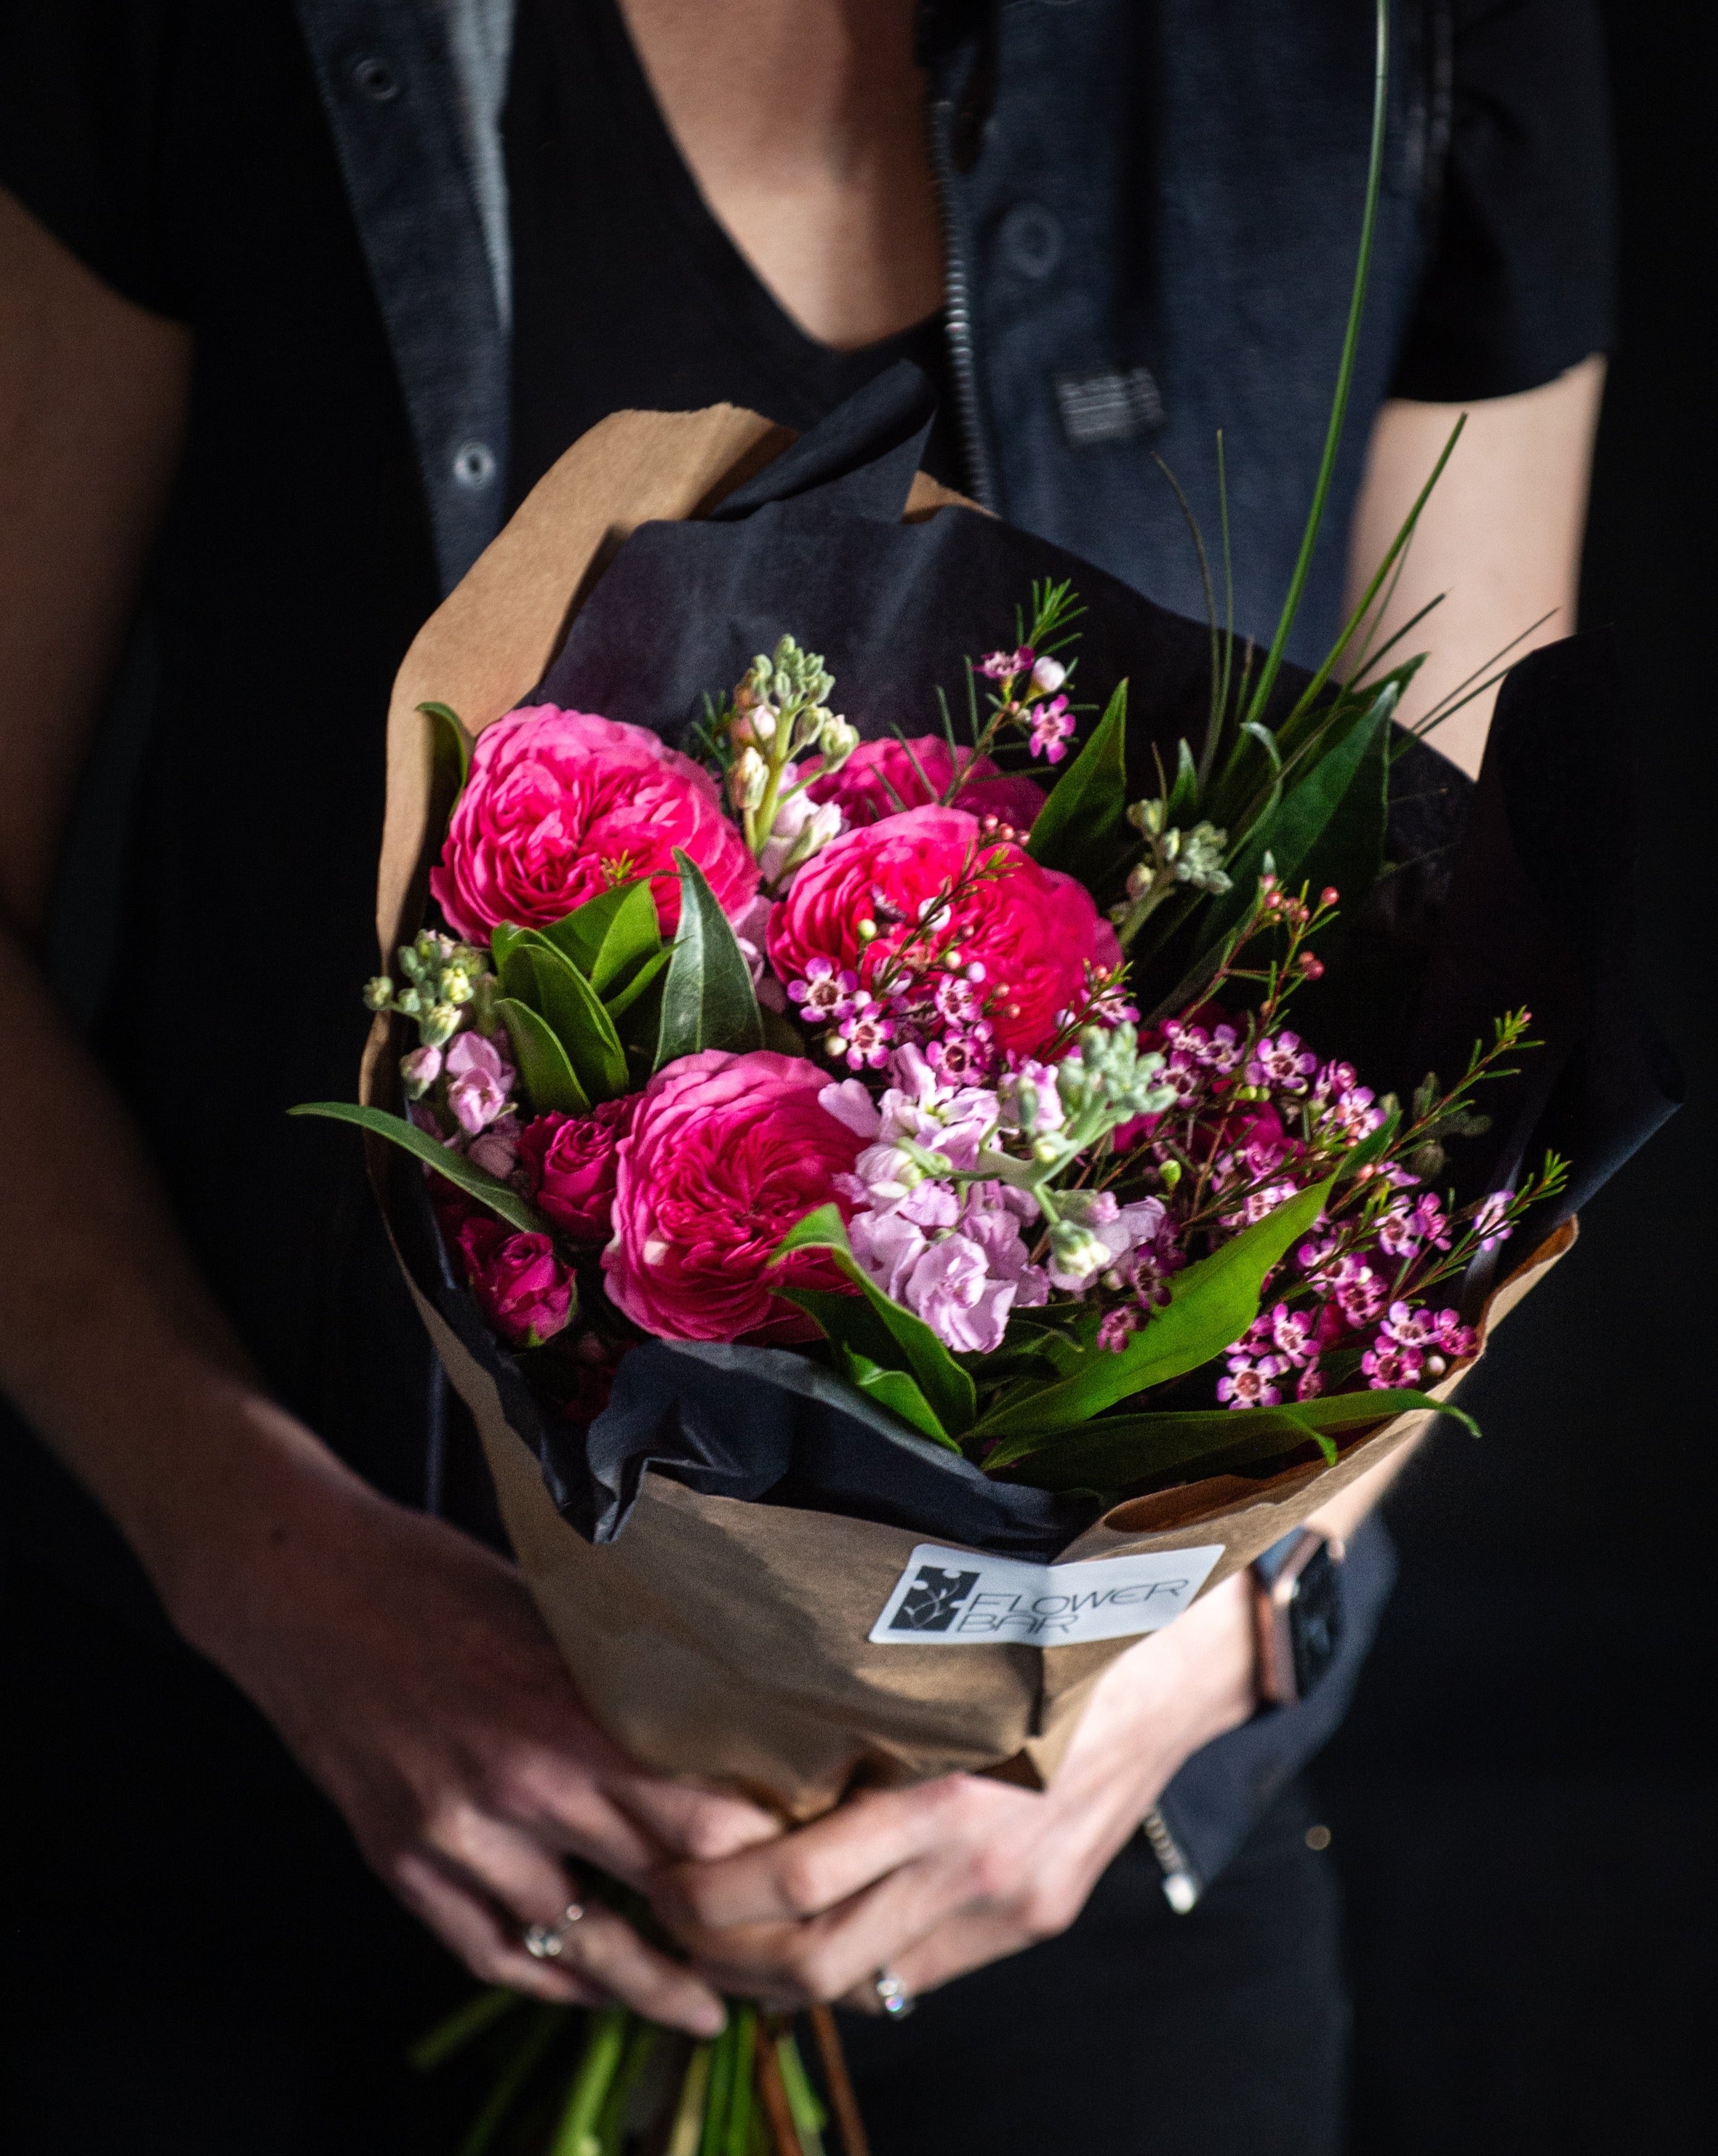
<point x="932" y="1882"/>
<point x="407" y="1667"/>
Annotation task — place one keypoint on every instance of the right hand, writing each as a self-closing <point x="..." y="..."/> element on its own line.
<point x="407" y="1667"/>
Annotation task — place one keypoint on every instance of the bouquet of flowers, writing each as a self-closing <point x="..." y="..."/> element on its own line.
<point x="960" y="1185"/>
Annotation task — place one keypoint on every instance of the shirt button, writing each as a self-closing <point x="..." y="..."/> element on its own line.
<point x="1032" y="240"/>
<point x="375" y="78"/>
<point x="474" y="464"/>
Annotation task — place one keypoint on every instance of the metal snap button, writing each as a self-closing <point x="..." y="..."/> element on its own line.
<point x="474" y="464"/>
<point x="1032" y="240"/>
<point x="375" y="78"/>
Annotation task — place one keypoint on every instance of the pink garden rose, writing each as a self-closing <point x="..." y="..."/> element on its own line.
<point x="570" y="1163"/>
<point x="726" y="1153"/>
<point x="561" y="806"/>
<point x="519" y="1283"/>
<point x="1033" y="929"/>
<point x="882" y="777"/>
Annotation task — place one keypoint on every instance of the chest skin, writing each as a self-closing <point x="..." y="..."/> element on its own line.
<point x="802" y="122"/>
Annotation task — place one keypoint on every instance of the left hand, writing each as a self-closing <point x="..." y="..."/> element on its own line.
<point x="932" y="1882"/>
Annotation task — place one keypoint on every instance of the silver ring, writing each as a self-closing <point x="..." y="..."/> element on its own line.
<point x="545" y="1941"/>
<point x="896" y="2001"/>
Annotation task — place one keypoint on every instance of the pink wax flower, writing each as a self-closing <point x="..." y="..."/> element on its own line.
<point x="519" y="1283"/>
<point x="882" y="777"/>
<point x="1034" y="929"/>
<point x="480" y="1081"/>
<point x="725" y="1153"/>
<point x="570" y="1163"/>
<point x="561" y="806"/>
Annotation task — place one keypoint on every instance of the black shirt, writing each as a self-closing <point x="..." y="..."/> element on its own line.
<point x="179" y="148"/>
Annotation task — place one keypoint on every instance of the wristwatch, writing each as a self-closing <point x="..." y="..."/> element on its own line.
<point x="1297" y="1614"/>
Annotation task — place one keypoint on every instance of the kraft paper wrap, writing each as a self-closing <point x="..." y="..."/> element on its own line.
<point x="713" y="1637"/>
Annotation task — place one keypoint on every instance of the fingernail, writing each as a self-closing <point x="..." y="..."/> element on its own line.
<point x="708" y="2020"/>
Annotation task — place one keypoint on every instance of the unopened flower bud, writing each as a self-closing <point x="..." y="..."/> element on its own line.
<point x="1048" y="675"/>
<point x="1076" y="1250"/>
<point x="419" y="1071"/>
<point x="838" y="740"/>
<point x="1168" y="1174"/>
<point x="1148" y="817"/>
<point x="409" y="1003"/>
<point x="1329" y="895"/>
<point x="748" y="778"/>
<point x="439" y="1025"/>
<point x="866" y="930"/>
<point x="378" y="993"/>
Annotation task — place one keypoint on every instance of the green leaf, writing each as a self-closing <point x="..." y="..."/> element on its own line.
<point x="550" y="1085"/>
<point x="893" y="1389"/>
<point x="1211" y="1304"/>
<point x="609" y="936"/>
<point x="500" y="1197"/>
<point x="1184" y="794"/>
<point x="1348" y="854"/>
<point x="450" y="728"/>
<point x="1118" y="1450"/>
<point x="1082" y="829"/>
<point x="625" y="998"/>
<point x="898" y="1340"/>
<point x="502" y="938"/>
<point x="575" y="1014"/>
<point x="707" y="1000"/>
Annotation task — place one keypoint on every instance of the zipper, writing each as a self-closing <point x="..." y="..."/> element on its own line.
<point x="1181" y="1882"/>
<point x="957" y="310"/>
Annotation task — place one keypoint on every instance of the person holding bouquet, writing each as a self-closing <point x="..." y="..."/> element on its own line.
<point x="296" y="304"/>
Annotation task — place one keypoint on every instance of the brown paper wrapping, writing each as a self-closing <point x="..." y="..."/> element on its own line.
<point x="713" y="1637"/>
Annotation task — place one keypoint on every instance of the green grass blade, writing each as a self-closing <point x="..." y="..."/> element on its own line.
<point x="1345" y="373"/>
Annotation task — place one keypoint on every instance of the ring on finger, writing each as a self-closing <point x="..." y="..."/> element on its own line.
<point x="892" y="1995"/>
<point x="547" y="1941"/>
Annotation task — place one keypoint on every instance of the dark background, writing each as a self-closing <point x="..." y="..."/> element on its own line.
<point x="1521" y="1803"/>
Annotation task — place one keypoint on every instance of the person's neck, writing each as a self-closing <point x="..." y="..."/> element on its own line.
<point x="801" y="122"/>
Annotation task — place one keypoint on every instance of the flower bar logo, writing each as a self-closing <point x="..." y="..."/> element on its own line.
<point x="949" y="1598"/>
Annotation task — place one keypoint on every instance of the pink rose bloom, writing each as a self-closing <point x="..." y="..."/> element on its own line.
<point x="570" y="1163"/>
<point x="726" y="1154"/>
<point x="882" y="777"/>
<point x="519" y="1283"/>
<point x="561" y="806"/>
<point x="479" y="1081"/>
<point x="1034" y="930"/>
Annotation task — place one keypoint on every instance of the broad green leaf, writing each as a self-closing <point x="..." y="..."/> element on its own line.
<point x="1082" y="828"/>
<point x="899" y="1341"/>
<point x="575" y="1015"/>
<point x="1211" y="1304"/>
<point x="550" y="1085"/>
<point x="894" y="1390"/>
<point x="626" y="997"/>
<point x="1348" y="854"/>
<point x="499" y="1197"/>
<point x="502" y="938"/>
<point x="608" y="935"/>
<point x="451" y="734"/>
<point x="1322" y="789"/>
<point x="707" y="1000"/>
<point x="1118" y="1450"/>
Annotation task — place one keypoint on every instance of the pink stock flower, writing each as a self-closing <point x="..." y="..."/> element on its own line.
<point x="519" y="1283"/>
<point x="570" y="1164"/>
<point x="495" y="1151"/>
<point x="1034" y="929"/>
<point x="480" y="1080"/>
<point x="725" y="1153"/>
<point x="882" y="777"/>
<point x="561" y="806"/>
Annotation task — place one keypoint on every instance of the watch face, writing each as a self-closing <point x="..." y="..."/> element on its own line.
<point x="1316" y="1619"/>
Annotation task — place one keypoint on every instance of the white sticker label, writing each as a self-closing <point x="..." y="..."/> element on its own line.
<point x="950" y="1598"/>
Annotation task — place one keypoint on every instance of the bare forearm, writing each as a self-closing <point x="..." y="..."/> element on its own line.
<point x="109" y="1343"/>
